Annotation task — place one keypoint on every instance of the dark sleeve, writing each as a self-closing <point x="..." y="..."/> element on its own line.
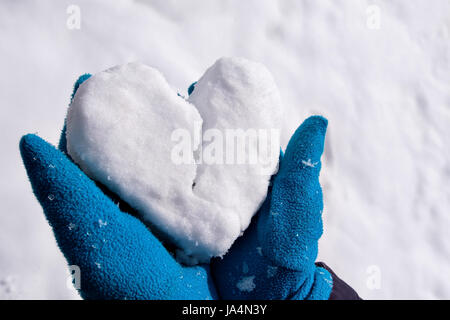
<point x="341" y="290"/>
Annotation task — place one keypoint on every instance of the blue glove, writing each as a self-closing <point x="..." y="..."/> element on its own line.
<point x="120" y="258"/>
<point x="275" y="257"/>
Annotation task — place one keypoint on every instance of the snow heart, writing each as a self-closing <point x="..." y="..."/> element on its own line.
<point x="123" y="130"/>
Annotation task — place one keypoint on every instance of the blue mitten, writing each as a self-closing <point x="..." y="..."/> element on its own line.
<point x="118" y="257"/>
<point x="275" y="257"/>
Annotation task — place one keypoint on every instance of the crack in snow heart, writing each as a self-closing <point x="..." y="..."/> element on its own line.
<point x="125" y="125"/>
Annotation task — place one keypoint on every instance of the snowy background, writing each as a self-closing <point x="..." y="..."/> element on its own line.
<point x="378" y="70"/>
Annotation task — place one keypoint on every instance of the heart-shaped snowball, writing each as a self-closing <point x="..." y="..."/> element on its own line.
<point x="197" y="170"/>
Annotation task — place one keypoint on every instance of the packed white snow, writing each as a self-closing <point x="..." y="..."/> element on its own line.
<point x="239" y="98"/>
<point x="129" y="130"/>
<point x="246" y="284"/>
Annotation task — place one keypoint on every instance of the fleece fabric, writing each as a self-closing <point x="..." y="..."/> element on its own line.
<point x="275" y="258"/>
<point x="120" y="258"/>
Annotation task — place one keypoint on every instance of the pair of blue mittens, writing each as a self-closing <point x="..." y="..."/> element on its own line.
<point x="119" y="257"/>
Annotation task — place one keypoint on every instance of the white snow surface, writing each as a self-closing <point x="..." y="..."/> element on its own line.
<point x="385" y="92"/>
<point x="129" y="130"/>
